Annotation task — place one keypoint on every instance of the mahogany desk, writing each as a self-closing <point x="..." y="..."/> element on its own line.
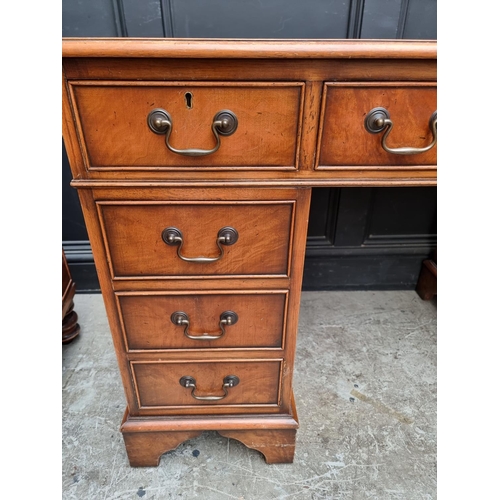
<point x="194" y="162"/>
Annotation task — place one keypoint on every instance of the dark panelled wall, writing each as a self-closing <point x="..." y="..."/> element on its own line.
<point x="359" y="238"/>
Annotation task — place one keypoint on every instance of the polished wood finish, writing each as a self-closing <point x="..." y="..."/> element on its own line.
<point x="247" y="49"/>
<point x="147" y="439"/>
<point x="344" y="140"/>
<point x="147" y="324"/>
<point x="277" y="446"/>
<point x="135" y="249"/>
<point x="70" y="326"/>
<point x="300" y="108"/>
<point x="157" y="385"/>
<point x="269" y="118"/>
<point x="144" y="449"/>
<point x="308" y="66"/>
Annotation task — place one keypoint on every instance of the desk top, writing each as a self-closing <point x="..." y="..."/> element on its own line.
<point x="301" y="108"/>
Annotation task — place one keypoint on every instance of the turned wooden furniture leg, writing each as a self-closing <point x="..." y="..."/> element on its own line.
<point x="427" y="281"/>
<point x="70" y="327"/>
<point x="277" y="445"/>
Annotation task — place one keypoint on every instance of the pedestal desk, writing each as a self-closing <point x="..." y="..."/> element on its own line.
<point x="194" y="162"/>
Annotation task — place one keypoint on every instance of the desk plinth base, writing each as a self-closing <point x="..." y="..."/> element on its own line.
<point x="148" y="438"/>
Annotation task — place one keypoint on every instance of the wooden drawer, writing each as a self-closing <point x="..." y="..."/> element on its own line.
<point x="114" y="132"/>
<point x="344" y="140"/>
<point x="158" y="383"/>
<point x="241" y="319"/>
<point x="133" y="237"/>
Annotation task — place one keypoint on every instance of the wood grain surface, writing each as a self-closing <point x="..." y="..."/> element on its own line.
<point x="300" y="107"/>
<point x="147" y="324"/>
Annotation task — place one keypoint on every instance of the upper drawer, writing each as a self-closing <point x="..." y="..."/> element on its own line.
<point x="112" y="122"/>
<point x="224" y="238"/>
<point x="345" y="140"/>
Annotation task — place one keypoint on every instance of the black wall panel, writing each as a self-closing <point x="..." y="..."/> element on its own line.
<point x="421" y="20"/>
<point x="260" y="19"/>
<point x="381" y="19"/>
<point x="369" y="238"/>
<point x="145" y="19"/>
<point x="94" y="18"/>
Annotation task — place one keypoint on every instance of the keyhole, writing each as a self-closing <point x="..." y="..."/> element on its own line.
<point x="189" y="100"/>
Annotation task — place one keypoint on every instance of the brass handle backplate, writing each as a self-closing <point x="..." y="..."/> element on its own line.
<point x="224" y="123"/>
<point x="227" y="318"/>
<point x="190" y="383"/>
<point x="225" y="236"/>
<point x="379" y="119"/>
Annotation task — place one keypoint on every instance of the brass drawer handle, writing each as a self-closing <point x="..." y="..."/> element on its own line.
<point x="225" y="122"/>
<point x="190" y="382"/>
<point x="378" y="119"/>
<point x="225" y="236"/>
<point x="227" y="318"/>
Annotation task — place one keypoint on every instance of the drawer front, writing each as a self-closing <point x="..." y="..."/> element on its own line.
<point x="158" y="383"/>
<point x="135" y="236"/>
<point x="236" y="320"/>
<point x="346" y="142"/>
<point x="112" y="120"/>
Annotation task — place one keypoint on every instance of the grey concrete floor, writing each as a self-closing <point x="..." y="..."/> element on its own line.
<point x="365" y="388"/>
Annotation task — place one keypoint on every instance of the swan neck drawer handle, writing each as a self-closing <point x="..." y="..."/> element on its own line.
<point x="225" y="123"/>
<point x="225" y="236"/>
<point x="227" y="318"/>
<point x="190" y="383"/>
<point x="379" y="119"/>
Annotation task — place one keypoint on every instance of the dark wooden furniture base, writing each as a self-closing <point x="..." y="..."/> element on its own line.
<point x="147" y="439"/>
<point x="427" y="280"/>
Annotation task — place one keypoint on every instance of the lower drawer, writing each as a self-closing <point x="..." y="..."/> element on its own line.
<point x="203" y="320"/>
<point x="209" y="383"/>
